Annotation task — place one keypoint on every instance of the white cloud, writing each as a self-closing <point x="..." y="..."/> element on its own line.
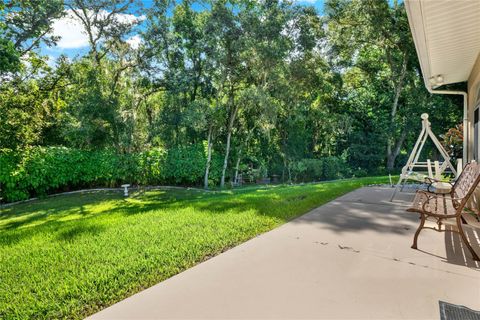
<point x="70" y="31"/>
<point x="134" y="41"/>
<point x="127" y="18"/>
<point x="72" y="34"/>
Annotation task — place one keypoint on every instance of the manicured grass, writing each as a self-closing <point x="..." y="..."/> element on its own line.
<point x="70" y="256"/>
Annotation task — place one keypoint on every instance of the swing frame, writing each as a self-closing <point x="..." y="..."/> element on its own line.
<point x="412" y="163"/>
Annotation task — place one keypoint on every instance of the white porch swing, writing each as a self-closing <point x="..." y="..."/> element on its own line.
<point x="408" y="171"/>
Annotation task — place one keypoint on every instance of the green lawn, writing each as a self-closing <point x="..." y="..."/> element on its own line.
<point x="70" y="256"/>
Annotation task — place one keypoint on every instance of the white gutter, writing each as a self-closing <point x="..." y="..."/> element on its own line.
<point x="466" y="125"/>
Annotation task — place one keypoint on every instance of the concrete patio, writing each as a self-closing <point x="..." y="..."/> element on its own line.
<point x="348" y="259"/>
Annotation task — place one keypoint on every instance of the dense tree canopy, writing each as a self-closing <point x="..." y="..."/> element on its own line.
<point x="264" y="88"/>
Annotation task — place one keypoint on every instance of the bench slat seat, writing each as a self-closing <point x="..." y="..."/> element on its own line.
<point x="440" y="205"/>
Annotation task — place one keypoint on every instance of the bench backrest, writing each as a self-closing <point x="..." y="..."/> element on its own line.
<point x="466" y="183"/>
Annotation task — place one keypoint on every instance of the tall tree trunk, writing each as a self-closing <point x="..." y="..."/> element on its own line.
<point x="396" y="151"/>
<point x="240" y="149"/>
<point x="209" y="157"/>
<point x="149" y="113"/>
<point x="237" y="166"/>
<point x="225" y="161"/>
<point x="289" y="172"/>
<point x="229" y="137"/>
<point x="392" y="151"/>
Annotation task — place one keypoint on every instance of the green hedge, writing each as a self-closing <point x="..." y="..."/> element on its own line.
<point x="37" y="171"/>
<point x="327" y="168"/>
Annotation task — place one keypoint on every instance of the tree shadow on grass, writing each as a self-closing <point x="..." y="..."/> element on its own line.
<point x="24" y="221"/>
<point x="214" y="203"/>
<point x="58" y="204"/>
<point x="28" y="220"/>
<point x="173" y="195"/>
<point x="53" y="215"/>
<point x="65" y="205"/>
<point x="77" y="231"/>
<point x="44" y="216"/>
<point x="205" y="201"/>
<point x="67" y="231"/>
<point x="56" y="208"/>
<point x="11" y="238"/>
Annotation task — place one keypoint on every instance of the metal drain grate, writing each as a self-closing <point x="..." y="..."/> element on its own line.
<point x="450" y="311"/>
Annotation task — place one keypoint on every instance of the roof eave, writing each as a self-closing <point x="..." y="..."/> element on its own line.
<point x="417" y="27"/>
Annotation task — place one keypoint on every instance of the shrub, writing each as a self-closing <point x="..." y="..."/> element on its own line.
<point x="326" y="168"/>
<point x="314" y="168"/>
<point x="151" y="166"/>
<point x="359" y="172"/>
<point x="216" y="168"/>
<point x="9" y="176"/>
<point x="37" y="171"/>
<point x="185" y="164"/>
<point x="333" y="168"/>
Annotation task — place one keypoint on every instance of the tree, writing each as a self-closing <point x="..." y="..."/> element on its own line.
<point x="226" y="45"/>
<point x="105" y="22"/>
<point x="374" y="37"/>
<point x="30" y="109"/>
<point x="266" y="87"/>
<point x="28" y="23"/>
<point x="103" y="100"/>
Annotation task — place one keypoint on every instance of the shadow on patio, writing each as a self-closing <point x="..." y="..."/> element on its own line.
<point x="369" y="211"/>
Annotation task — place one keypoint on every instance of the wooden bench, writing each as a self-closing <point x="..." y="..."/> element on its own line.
<point x="439" y="207"/>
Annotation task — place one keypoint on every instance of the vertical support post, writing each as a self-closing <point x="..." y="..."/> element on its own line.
<point x="413" y="155"/>
<point x="438" y="172"/>
<point x="442" y="151"/>
<point x="459" y="166"/>
<point x="429" y="168"/>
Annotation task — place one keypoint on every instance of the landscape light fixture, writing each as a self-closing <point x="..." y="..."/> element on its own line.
<point x="437" y="80"/>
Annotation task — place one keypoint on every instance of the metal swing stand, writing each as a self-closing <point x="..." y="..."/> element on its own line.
<point x="407" y="170"/>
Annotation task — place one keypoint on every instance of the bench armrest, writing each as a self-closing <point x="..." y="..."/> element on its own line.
<point x="431" y="181"/>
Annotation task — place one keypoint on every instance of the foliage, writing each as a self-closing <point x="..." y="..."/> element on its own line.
<point x="453" y="141"/>
<point x="326" y="168"/>
<point x="36" y="171"/>
<point x="371" y="41"/>
<point x="269" y="87"/>
<point x="185" y="165"/>
<point x="9" y="57"/>
<point x="106" y="248"/>
<point x="28" y="23"/>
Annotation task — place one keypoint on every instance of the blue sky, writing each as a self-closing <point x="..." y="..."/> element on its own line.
<point x="74" y="43"/>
